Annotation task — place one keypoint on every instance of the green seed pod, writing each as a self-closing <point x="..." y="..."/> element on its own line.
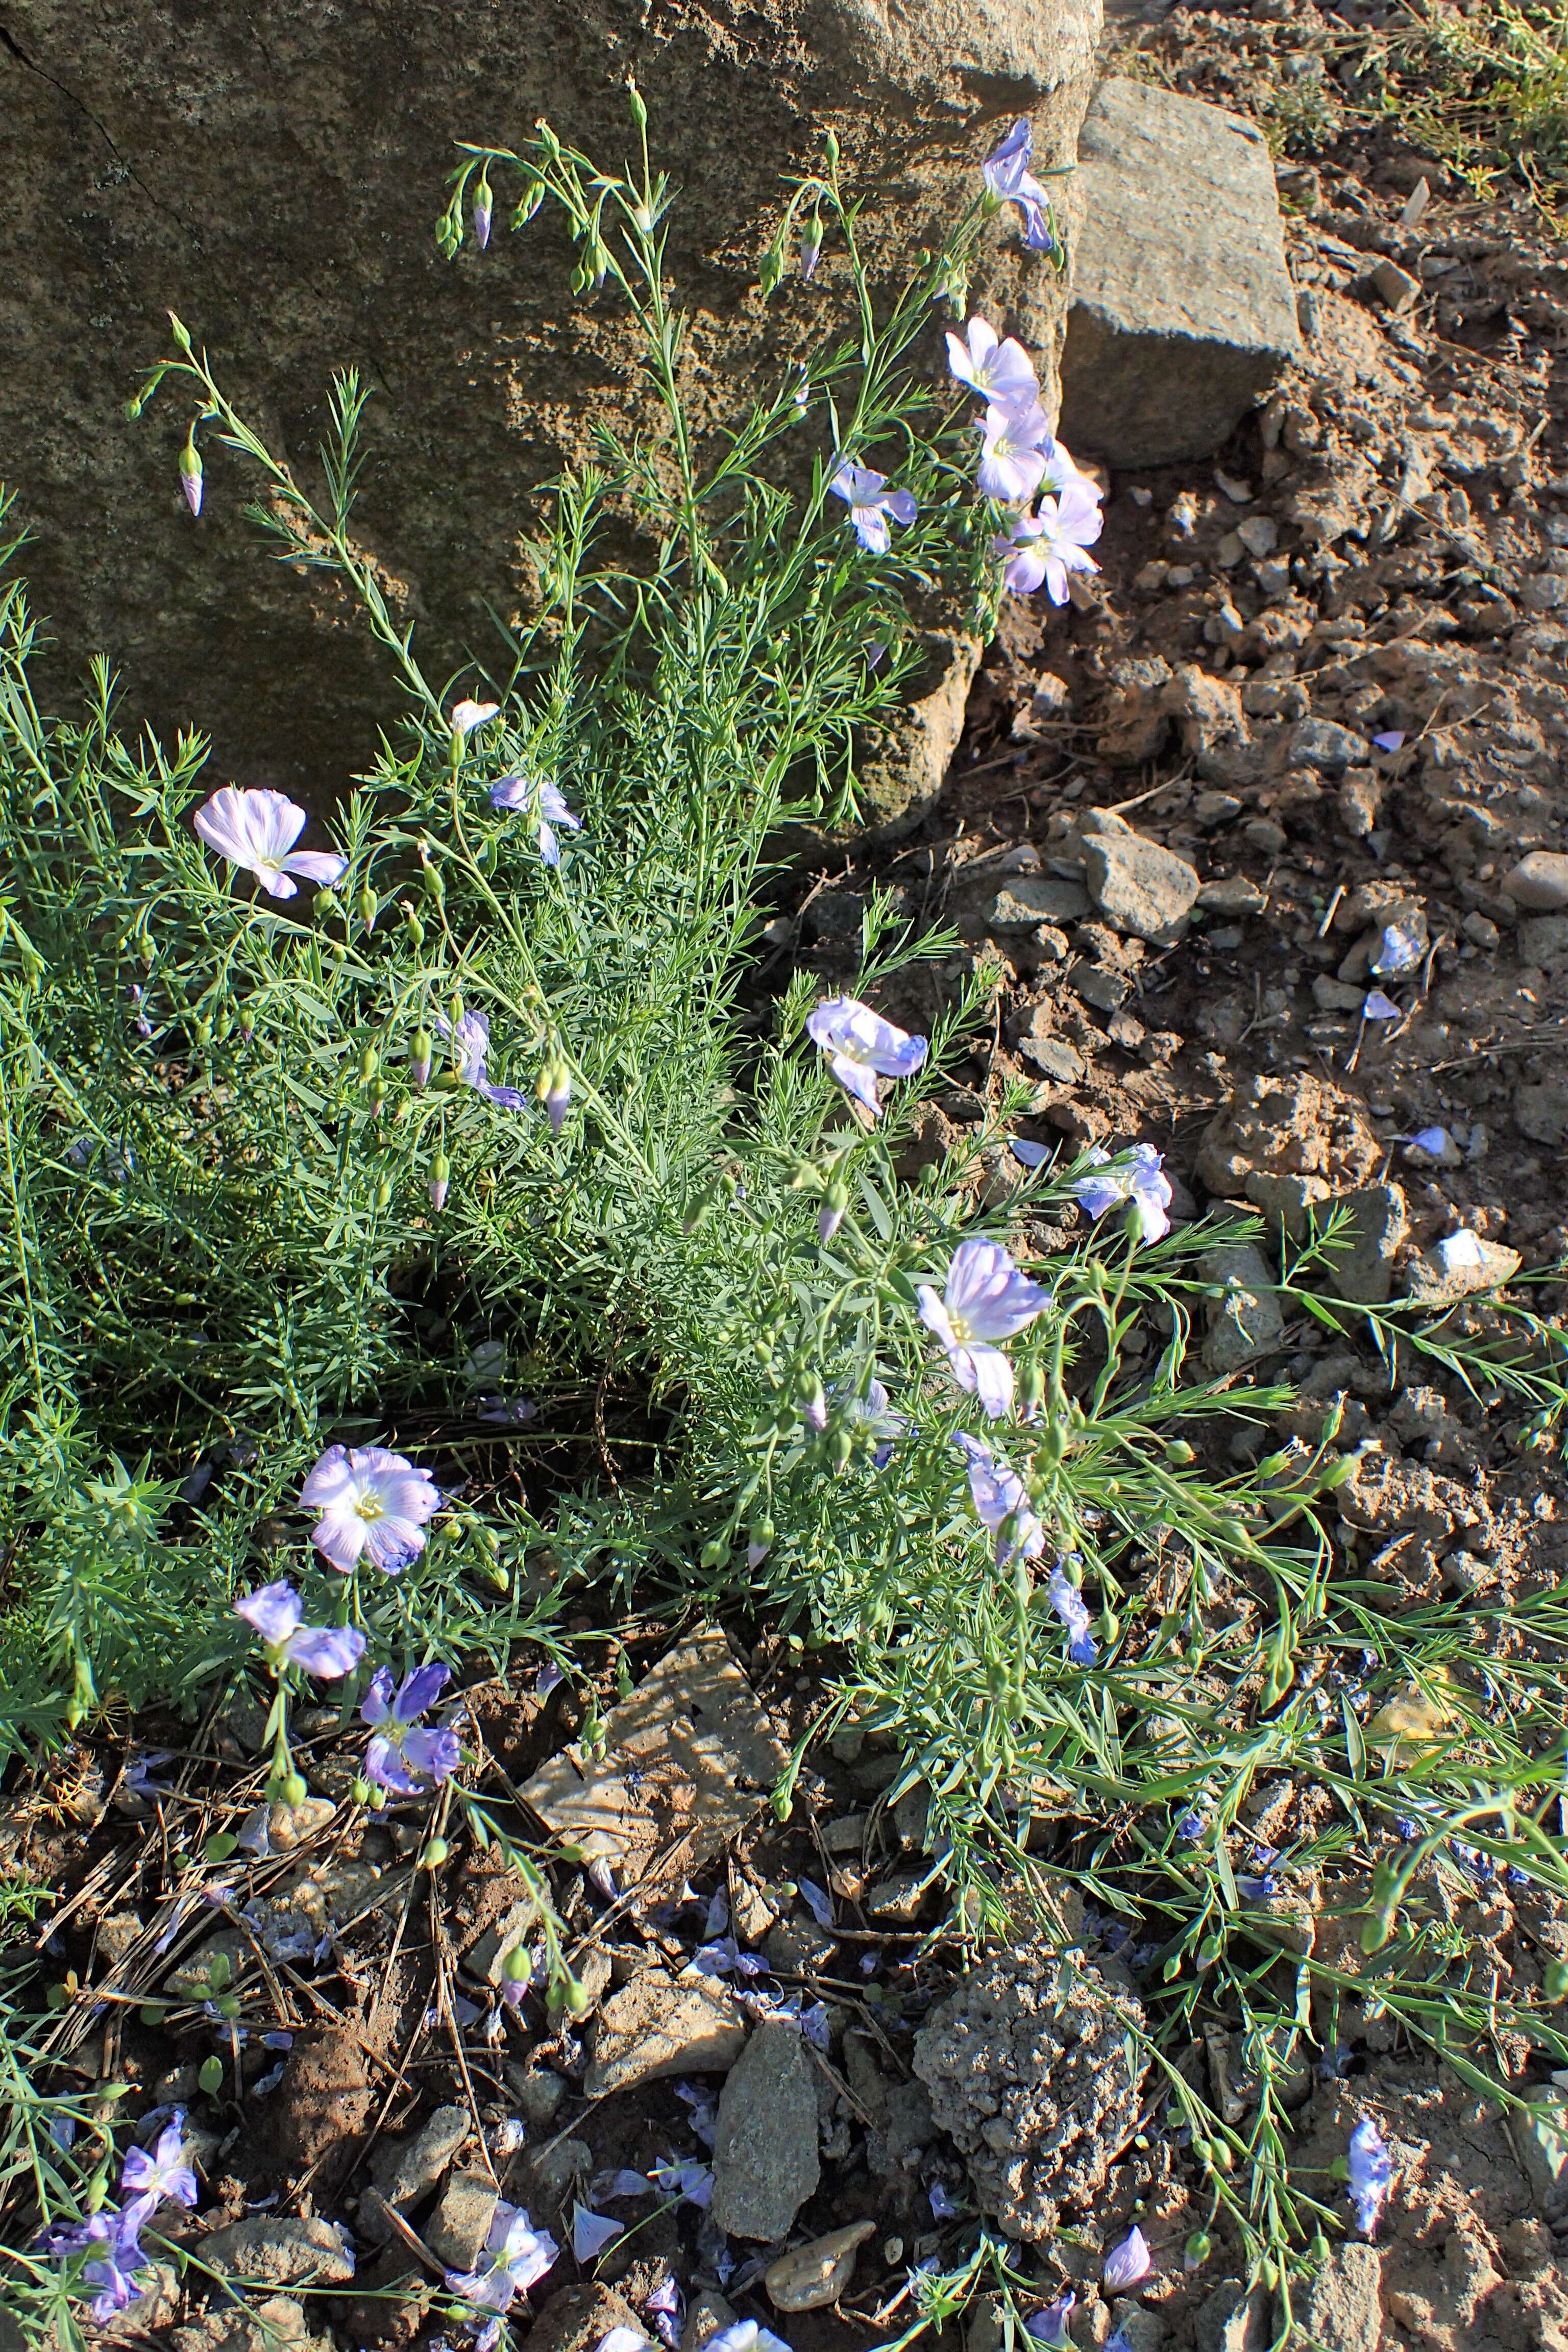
<point x="1340" y="1474"/>
<point x="293" y="1789"/>
<point x="369" y="1063"/>
<point x="383" y="1192"/>
<point x="326" y="903"/>
<point x="714" y="1554"/>
<point x="435" y="889"/>
<point x="361" y="1790"/>
<point x="204" y="1034"/>
<point x="1178" y="1453"/>
<point x="578" y="2000"/>
<point x="412" y="928"/>
<point x="1554" y="1982"/>
<point x="517" y="1967"/>
<point x="1198" y="2248"/>
<point x="435" y="1854"/>
<point x="762" y="1533"/>
<point x="1031" y="1389"/>
<point x="369" y="907"/>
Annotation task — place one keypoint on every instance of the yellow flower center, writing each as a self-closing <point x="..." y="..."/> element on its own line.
<point x="370" y="1507"/>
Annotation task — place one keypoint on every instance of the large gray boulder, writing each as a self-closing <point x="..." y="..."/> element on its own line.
<point x="1183" y="310"/>
<point x="274" y="173"/>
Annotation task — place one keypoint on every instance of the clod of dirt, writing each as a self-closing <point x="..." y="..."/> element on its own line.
<point x="278" y="2324"/>
<point x="324" y="2101"/>
<point x="1028" y="2066"/>
<point x="764" y="2150"/>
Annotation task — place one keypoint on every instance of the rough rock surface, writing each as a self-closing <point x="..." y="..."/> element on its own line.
<point x="1026" y="2064"/>
<point x="1182" y="309"/>
<point x="1343" y="2307"/>
<point x="274" y="174"/>
<point x="652" y="2027"/>
<point x="1140" y="885"/>
<point x="765" y="2149"/>
<point x="282" y="2252"/>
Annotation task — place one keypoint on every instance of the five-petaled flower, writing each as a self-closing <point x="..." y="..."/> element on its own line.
<point x="986" y="1300"/>
<point x="1002" y="1503"/>
<point x="518" y="2256"/>
<point x="373" y="1503"/>
<point x="164" y="2173"/>
<point x="536" y="797"/>
<point x="275" y="1612"/>
<point x="1041" y="549"/>
<point x="1009" y="181"/>
<point x="402" y="1747"/>
<point x="870" y="503"/>
<point x="256" y="830"/>
<point x="1371" y="2169"/>
<point x="1139" y="1181"/>
<point x="472" y="1039"/>
<point x="1013" y="451"/>
<point x="999" y="370"/>
<point x="874" y="1414"/>
<point x="860" y="1046"/>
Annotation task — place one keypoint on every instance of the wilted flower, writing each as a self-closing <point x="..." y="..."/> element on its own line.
<point x="117" y="2259"/>
<point x="1041" y="549"/>
<point x="1127" y="2263"/>
<point x="1371" y="2172"/>
<point x="1009" y="181"/>
<point x="541" y="799"/>
<point x="275" y="1612"/>
<point x="997" y="371"/>
<point x="872" y="1412"/>
<point x="372" y="1503"/>
<point x="870" y="503"/>
<point x="1378" y="1007"/>
<point x="1011" y="455"/>
<point x="401" y="1746"/>
<point x="1399" y="950"/>
<point x="164" y="2173"/>
<point x="1050" y="2325"/>
<point x="1138" y="1180"/>
<point x="1001" y="1500"/>
<point x="860" y="1046"/>
<point x="986" y="1298"/>
<point x="745" y="2335"/>
<point x="518" y="2256"/>
<point x="810" y="250"/>
<point x="472" y="1039"/>
<point x="1071" y="1608"/>
<point x="467" y="716"/>
<point x="256" y="830"/>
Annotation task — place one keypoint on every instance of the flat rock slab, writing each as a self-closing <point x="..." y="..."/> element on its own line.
<point x="283" y="2253"/>
<point x="1183" y="311"/>
<point x="764" y="2147"/>
<point x="657" y="2026"/>
<point x="690" y="1757"/>
<point x="1140" y="885"/>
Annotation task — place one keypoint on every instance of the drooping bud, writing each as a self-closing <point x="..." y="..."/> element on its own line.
<point x="553" y="1088"/>
<point x="421" y="1048"/>
<point x="528" y="204"/>
<point x="369" y="907"/>
<point x="482" y="207"/>
<point x="771" y="275"/>
<point x="191" y="473"/>
<point x="1031" y="1389"/>
<point x="440" y="1180"/>
<point x="811" y="248"/>
<point x="830" y="1216"/>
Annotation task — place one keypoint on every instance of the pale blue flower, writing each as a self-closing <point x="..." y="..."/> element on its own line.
<point x="472" y="1039"/>
<point x="1013" y="451"/>
<point x="536" y="797"/>
<point x="164" y="2173"/>
<point x="870" y="503"/>
<point x="1009" y="181"/>
<point x="1371" y="2173"/>
<point x="1049" y="2327"/>
<point x="860" y="1046"/>
<point x="516" y="2257"/>
<point x="402" y="1747"/>
<point x="1071" y="1608"/>
<point x="275" y="1612"/>
<point x="1136" y="1179"/>
<point x="986" y="1298"/>
<point x="1128" y="2264"/>
<point x="1042" y="548"/>
<point x="873" y="1412"/>
<point x="373" y="1504"/>
<point x="997" y="371"/>
<point x="256" y="830"/>
<point x="1000" y="1502"/>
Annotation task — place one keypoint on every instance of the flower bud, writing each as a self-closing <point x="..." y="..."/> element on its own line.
<point x="770" y="276"/>
<point x="527" y="204"/>
<point x="421" y="1047"/>
<point x="811" y="248"/>
<point x="369" y="1063"/>
<point x="830" y="1216"/>
<point x="635" y="100"/>
<point x="1343" y="1472"/>
<point x="830" y="146"/>
<point x="1198" y="2248"/>
<point x="412" y="928"/>
<point x="517" y="1967"/>
<point x="191" y="473"/>
<point x="359" y="1790"/>
<point x="554" y="1088"/>
<point x="841" y="1445"/>
<point x="383" y="1192"/>
<point x="482" y="205"/>
<point x="576" y="1995"/>
<point x="1031" y="1389"/>
<point x="714" y="1554"/>
<point x="1554" y="1982"/>
<point x="179" y="332"/>
<point x="1178" y="1453"/>
<point x="440" y="1179"/>
<point x="291" y="1789"/>
<point x="369" y="907"/>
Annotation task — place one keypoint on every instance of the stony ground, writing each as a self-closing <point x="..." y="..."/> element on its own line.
<point x="1327" y="673"/>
